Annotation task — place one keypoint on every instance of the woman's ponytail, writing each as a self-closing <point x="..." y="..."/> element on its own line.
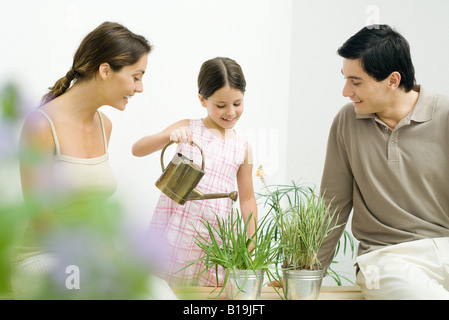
<point x="61" y="86"/>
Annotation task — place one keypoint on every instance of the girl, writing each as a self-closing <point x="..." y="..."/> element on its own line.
<point x="71" y="138"/>
<point x="221" y="86"/>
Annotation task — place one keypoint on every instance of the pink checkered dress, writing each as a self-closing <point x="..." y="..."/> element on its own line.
<point x="176" y="224"/>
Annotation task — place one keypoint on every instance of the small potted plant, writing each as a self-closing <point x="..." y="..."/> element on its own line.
<point x="303" y="221"/>
<point x="245" y="259"/>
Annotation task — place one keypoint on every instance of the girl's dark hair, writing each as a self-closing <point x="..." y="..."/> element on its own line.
<point x="218" y="72"/>
<point x="381" y="51"/>
<point x="110" y="42"/>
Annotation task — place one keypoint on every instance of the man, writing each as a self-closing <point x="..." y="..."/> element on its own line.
<point x="387" y="159"/>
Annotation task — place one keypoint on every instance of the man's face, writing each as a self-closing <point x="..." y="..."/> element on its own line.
<point x="366" y="93"/>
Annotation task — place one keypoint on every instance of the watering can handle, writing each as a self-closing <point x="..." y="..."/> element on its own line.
<point x="163" y="150"/>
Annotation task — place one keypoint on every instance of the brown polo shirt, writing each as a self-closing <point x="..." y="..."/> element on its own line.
<point x="396" y="181"/>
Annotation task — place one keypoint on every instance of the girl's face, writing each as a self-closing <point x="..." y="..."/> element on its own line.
<point x="122" y="85"/>
<point x="224" y="108"/>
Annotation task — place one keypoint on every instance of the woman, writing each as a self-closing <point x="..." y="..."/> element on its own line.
<point x="68" y="137"/>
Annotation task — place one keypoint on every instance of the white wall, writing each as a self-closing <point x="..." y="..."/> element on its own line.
<point x="286" y="48"/>
<point x="39" y="39"/>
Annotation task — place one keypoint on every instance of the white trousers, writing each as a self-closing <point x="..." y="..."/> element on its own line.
<point x="415" y="270"/>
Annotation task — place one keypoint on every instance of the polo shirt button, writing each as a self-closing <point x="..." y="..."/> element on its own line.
<point x="393" y="143"/>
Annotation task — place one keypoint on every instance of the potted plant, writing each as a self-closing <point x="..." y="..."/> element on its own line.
<point x="303" y="221"/>
<point x="245" y="259"/>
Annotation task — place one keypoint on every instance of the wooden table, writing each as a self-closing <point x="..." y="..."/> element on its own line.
<point x="268" y="293"/>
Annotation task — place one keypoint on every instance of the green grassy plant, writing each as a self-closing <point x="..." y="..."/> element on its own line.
<point x="229" y="246"/>
<point x="303" y="226"/>
<point x="302" y="221"/>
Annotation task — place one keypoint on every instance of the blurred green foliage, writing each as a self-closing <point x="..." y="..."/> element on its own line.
<point x="11" y="217"/>
<point x="88" y="240"/>
<point x="11" y="214"/>
<point x="9" y="102"/>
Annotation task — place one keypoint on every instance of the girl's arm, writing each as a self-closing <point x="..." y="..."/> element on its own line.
<point x="155" y="142"/>
<point x="247" y="198"/>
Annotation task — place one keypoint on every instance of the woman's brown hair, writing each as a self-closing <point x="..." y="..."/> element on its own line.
<point x="110" y="42"/>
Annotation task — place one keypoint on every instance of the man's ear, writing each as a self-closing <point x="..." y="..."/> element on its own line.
<point x="202" y="100"/>
<point x="104" y="70"/>
<point x="394" y="80"/>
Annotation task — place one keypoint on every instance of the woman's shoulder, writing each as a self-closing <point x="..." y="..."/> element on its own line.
<point x="36" y="129"/>
<point x="37" y="121"/>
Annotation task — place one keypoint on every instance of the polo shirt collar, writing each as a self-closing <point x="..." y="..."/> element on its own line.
<point x="425" y="106"/>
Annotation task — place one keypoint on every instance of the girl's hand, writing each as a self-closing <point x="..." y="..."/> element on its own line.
<point x="182" y="135"/>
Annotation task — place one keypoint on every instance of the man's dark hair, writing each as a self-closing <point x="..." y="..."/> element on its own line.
<point x="381" y="51"/>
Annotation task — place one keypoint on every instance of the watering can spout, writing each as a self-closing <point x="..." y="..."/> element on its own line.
<point x="198" y="195"/>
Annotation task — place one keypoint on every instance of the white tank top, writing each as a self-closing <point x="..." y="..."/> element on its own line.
<point x="73" y="182"/>
<point x="72" y="175"/>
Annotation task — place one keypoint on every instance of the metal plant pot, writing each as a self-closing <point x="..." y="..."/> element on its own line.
<point x="244" y="284"/>
<point x="302" y="284"/>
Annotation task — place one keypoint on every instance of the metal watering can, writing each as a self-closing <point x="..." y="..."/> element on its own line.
<point x="181" y="176"/>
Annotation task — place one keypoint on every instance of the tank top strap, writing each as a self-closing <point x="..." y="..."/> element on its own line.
<point x="53" y="131"/>
<point x="104" y="132"/>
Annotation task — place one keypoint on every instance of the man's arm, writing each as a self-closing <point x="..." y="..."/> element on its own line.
<point x="336" y="186"/>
